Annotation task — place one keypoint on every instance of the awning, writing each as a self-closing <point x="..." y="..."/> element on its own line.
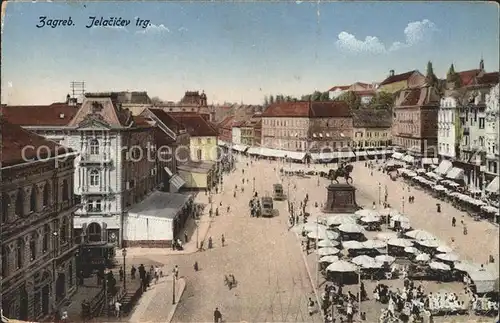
<point x="408" y="159"/>
<point x="240" y="148"/>
<point x="346" y="154"/>
<point x="360" y="153"/>
<point x="435" y="161"/>
<point x="296" y="155"/>
<point x="397" y="155"/>
<point x="433" y="175"/>
<point x="324" y="156"/>
<point x="493" y="186"/>
<point x="444" y="167"/>
<point x="177" y="182"/>
<point x="222" y="143"/>
<point x="268" y="152"/>
<point x="426" y="161"/>
<point x="254" y="151"/>
<point x="169" y="172"/>
<point x="455" y="173"/>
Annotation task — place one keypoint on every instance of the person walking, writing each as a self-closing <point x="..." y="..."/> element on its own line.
<point x="217" y="316"/>
<point x="121" y="273"/>
<point x="223" y="240"/>
<point x="133" y="270"/>
<point x="185" y="237"/>
<point x="176" y="272"/>
<point x="310" y="306"/>
<point x="118" y="306"/>
<point x="453" y="222"/>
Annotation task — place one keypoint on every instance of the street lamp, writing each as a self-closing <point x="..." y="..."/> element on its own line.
<point x="254" y="184"/>
<point x="197" y="222"/>
<point x="403" y="204"/>
<point x="379" y="188"/>
<point x="173" y="286"/>
<point x="124" y="254"/>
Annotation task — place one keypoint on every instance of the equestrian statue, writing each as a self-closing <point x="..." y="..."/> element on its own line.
<point x="344" y="171"/>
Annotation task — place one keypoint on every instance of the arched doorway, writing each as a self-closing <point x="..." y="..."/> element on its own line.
<point x="94" y="232"/>
<point x="60" y="286"/>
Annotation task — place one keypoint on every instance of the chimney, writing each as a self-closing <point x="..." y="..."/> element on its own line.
<point x="68" y="97"/>
<point x="391" y="73"/>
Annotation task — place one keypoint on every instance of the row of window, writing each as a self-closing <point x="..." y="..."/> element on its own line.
<point x="37" y="247"/>
<point x="370" y="134"/>
<point x="292" y="122"/>
<point x="36" y="202"/>
<point x="201" y="141"/>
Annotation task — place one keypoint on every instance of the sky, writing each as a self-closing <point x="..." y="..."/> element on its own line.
<point x="236" y="52"/>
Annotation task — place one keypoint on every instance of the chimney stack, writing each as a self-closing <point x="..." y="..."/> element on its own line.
<point x="391" y="73"/>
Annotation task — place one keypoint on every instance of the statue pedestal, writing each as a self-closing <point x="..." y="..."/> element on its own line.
<point x="341" y="198"/>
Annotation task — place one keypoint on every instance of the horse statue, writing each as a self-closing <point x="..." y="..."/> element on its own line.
<point x="343" y="171"/>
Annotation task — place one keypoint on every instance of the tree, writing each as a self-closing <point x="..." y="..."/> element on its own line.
<point x="316" y="96"/>
<point x="431" y="78"/>
<point x="352" y="100"/>
<point x="271" y="99"/>
<point x="325" y="96"/>
<point x="156" y="100"/>
<point x="266" y="101"/>
<point x="382" y="101"/>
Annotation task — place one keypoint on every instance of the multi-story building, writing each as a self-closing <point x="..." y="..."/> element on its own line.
<point x="491" y="133"/>
<point x="236" y="132"/>
<point x="249" y="131"/>
<point x="371" y="128"/>
<point x="192" y="102"/>
<point x="330" y="126"/>
<point x="364" y="90"/>
<point x="397" y="82"/>
<point x="414" y="126"/>
<point x="285" y="126"/>
<point x="115" y="168"/>
<point x="225" y="129"/>
<point x="257" y="133"/>
<point x="133" y="101"/>
<point x="38" y="271"/>
<point x="337" y="91"/>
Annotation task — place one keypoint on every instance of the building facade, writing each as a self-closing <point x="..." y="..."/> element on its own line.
<point x="38" y="272"/>
<point x="414" y="125"/>
<point x="371" y="128"/>
<point x="491" y="132"/>
<point x="250" y="132"/>
<point x="192" y="102"/>
<point x="236" y="133"/>
<point x="397" y="82"/>
<point x="330" y="126"/>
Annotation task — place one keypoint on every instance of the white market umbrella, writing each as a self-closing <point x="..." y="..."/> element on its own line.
<point x="448" y="256"/>
<point x="364" y="261"/>
<point x="308" y="227"/>
<point x="439" y="266"/>
<point x="386" y="236"/>
<point x="320" y="219"/>
<point x="320" y="235"/>
<point x="388" y="211"/>
<point x="329" y="259"/>
<point x="400" y="218"/>
<point x="400" y="243"/>
<point x="370" y="219"/>
<point x="327" y="251"/>
<point x="351" y="228"/>
<point x="332" y="235"/>
<point x="428" y="243"/>
<point x="342" y="266"/>
<point x="374" y="244"/>
<point x="366" y="212"/>
<point x="328" y="243"/>
<point x="420" y="235"/>
<point x="412" y="250"/>
<point x="352" y="244"/>
<point x="340" y="219"/>
<point x="385" y="258"/>
<point x="466" y="266"/>
<point x="423" y="257"/>
<point x="444" y="249"/>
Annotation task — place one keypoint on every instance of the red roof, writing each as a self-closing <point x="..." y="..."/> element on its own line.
<point x="329" y="109"/>
<point x="365" y="92"/>
<point x="194" y="123"/>
<point x="238" y="124"/>
<point x="412" y="97"/>
<point x="161" y="138"/>
<point x="339" y="87"/>
<point x="167" y="120"/>
<point x="488" y="78"/>
<point x="398" y="78"/>
<point x="140" y="121"/>
<point x="466" y="77"/>
<point x="55" y="114"/>
<point x="288" y="109"/>
<point x="15" y="139"/>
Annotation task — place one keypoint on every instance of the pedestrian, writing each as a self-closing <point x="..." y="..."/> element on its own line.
<point x="234" y="195"/>
<point x="374" y="206"/>
<point x="195" y="266"/>
<point x="132" y="272"/>
<point x="310" y="306"/>
<point x="120" y="273"/>
<point x="465" y="230"/>
<point x="176" y="272"/>
<point x="157" y="274"/>
<point x="210" y="245"/>
<point x="118" y="306"/>
<point x="217" y="316"/>
<point x="216" y="211"/>
<point x="64" y="316"/>
<point x="223" y="240"/>
<point x="228" y="209"/>
<point x="453" y="222"/>
<point x="185" y="237"/>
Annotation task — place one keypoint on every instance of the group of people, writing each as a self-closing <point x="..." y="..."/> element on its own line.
<point x="333" y="297"/>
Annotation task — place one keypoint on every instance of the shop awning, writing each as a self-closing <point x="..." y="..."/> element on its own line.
<point x="360" y="153"/>
<point x="408" y="159"/>
<point x="254" y="151"/>
<point x="269" y="152"/>
<point x="493" y="186"/>
<point x="435" y="161"/>
<point x="222" y="143"/>
<point x="177" y="182"/>
<point x="397" y="155"/>
<point x="444" y="167"/>
<point x="346" y="154"/>
<point x="324" y="156"/>
<point x="426" y="161"/>
<point x="240" y="148"/>
<point x="296" y="155"/>
<point x="455" y="173"/>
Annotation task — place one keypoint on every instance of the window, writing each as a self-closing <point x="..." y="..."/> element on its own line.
<point x="63" y="230"/>
<point x="94" y="147"/>
<point x="45" y="199"/>
<point x="198" y="154"/>
<point x="481" y="123"/>
<point x="19" y="203"/>
<point x="94" y="177"/>
<point x="33" y="199"/>
<point x="98" y="205"/>
<point x="5" y="207"/>
<point x="5" y="261"/>
<point x="33" y="242"/>
<point x="20" y="253"/>
<point x="94" y="232"/>
<point x="46" y="237"/>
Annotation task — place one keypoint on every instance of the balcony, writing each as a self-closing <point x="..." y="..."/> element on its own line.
<point x="89" y="211"/>
<point x="91" y="159"/>
<point x="95" y="190"/>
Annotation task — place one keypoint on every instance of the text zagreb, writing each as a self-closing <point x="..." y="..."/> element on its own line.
<point x="93" y="21"/>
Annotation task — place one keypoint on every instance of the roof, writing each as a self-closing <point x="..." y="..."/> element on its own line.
<point x="488" y="78"/>
<point x="329" y="109"/>
<point x="419" y="96"/>
<point x="196" y="166"/>
<point x="398" y="78"/>
<point x="167" y="120"/>
<point x="226" y="122"/>
<point x="15" y="139"/>
<point x="287" y="109"/>
<point x="140" y="121"/>
<point x="339" y="87"/>
<point x="466" y="77"/>
<point x="55" y="114"/>
<point x="105" y="108"/>
<point x="368" y="118"/>
<point x="124" y="97"/>
<point x="238" y="124"/>
<point x="161" y="138"/>
<point x="160" y="205"/>
<point x="194" y="124"/>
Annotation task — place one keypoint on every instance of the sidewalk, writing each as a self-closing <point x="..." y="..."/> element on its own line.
<point x="156" y="304"/>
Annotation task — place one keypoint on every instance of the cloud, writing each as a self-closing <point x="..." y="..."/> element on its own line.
<point x="154" y="29"/>
<point x="118" y="28"/>
<point x="415" y="33"/>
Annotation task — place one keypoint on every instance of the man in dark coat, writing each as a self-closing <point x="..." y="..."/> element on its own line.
<point x="217" y="315"/>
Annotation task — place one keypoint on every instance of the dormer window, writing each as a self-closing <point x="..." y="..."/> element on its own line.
<point x="94" y="147"/>
<point x="96" y="107"/>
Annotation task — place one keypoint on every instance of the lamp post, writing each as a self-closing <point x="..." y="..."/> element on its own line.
<point x="254" y="184"/>
<point x="403" y="205"/>
<point x="173" y="286"/>
<point x="197" y="222"/>
<point x="379" y="189"/>
<point x="124" y="254"/>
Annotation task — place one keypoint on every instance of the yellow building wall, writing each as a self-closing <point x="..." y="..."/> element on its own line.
<point x="207" y="145"/>
<point x="393" y="87"/>
<point x="194" y="180"/>
<point x="365" y="139"/>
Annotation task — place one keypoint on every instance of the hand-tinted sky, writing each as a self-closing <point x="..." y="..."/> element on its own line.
<point x="237" y="51"/>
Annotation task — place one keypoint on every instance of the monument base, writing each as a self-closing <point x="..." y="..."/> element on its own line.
<point x="341" y="198"/>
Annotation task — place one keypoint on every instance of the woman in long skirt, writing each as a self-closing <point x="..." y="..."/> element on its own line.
<point x="310" y="307"/>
